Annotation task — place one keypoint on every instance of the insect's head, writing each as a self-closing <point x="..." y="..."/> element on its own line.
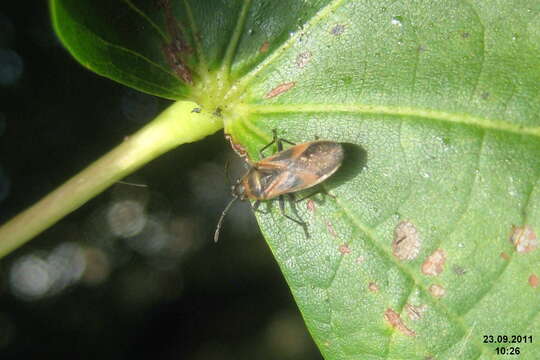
<point x="238" y="190"/>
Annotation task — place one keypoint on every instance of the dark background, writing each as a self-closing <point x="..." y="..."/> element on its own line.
<point x="134" y="272"/>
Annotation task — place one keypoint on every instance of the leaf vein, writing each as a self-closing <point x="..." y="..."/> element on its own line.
<point x="482" y="50"/>
<point x="196" y="40"/>
<point x="243" y="82"/>
<point x="235" y="39"/>
<point x="146" y="18"/>
<point x="397" y="111"/>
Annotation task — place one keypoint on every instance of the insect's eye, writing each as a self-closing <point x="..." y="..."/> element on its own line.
<point x="239" y="190"/>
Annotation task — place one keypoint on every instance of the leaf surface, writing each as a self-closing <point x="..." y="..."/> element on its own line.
<point x="428" y="243"/>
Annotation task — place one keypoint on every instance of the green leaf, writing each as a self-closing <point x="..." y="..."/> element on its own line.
<point x="430" y="244"/>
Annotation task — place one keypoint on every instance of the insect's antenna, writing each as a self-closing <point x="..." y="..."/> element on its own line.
<point x="227" y="167"/>
<point x="218" y="227"/>
<point x="130" y="183"/>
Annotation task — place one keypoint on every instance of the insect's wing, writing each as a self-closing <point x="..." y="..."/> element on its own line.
<point x="301" y="167"/>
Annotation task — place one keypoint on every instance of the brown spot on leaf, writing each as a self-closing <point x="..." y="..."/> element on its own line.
<point x="264" y="47"/>
<point x="303" y="59"/>
<point x="437" y="290"/>
<point x="331" y="229"/>
<point x="458" y="270"/>
<point x="177" y="63"/>
<point x="176" y="50"/>
<point x="406" y="243"/>
<point x="524" y="239"/>
<point x="218" y="112"/>
<point x="373" y="287"/>
<point x="415" y="312"/>
<point x="238" y="149"/>
<point x="533" y="281"/>
<point x="280" y="89"/>
<point x="505" y="256"/>
<point x="344" y="249"/>
<point x="337" y="29"/>
<point x="434" y="264"/>
<point x="395" y="321"/>
<point x="310" y="205"/>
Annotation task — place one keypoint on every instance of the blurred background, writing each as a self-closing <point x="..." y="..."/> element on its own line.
<point x="134" y="273"/>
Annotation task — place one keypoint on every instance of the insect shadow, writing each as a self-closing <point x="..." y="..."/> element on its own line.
<point x="354" y="162"/>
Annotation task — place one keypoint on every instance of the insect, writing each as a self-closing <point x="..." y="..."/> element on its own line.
<point x="297" y="168"/>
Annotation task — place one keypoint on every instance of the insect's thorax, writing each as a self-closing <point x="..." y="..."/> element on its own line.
<point x="257" y="184"/>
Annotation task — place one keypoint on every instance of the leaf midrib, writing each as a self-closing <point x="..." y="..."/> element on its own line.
<point x="395" y="111"/>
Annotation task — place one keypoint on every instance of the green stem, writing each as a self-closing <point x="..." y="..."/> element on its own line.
<point x="175" y="126"/>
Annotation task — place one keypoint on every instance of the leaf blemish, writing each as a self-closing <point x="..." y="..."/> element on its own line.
<point x="303" y="59"/>
<point x="238" y="149"/>
<point x="280" y="89"/>
<point x="406" y="243"/>
<point x="310" y="204"/>
<point x="395" y="321"/>
<point x="434" y="264"/>
<point x="458" y="270"/>
<point x="344" y="249"/>
<point x="176" y="63"/>
<point x="534" y="281"/>
<point x="264" y="47"/>
<point x="437" y="290"/>
<point x="397" y="21"/>
<point x="524" y="239"/>
<point x="415" y="312"/>
<point x="505" y="256"/>
<point x="337" y="30"/>
<point x="176" y="49"/>
<point x="373" y="287"/>
<point x="331" y="229"/>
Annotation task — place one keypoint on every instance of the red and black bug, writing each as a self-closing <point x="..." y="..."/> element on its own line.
<point x="297" y="168"/>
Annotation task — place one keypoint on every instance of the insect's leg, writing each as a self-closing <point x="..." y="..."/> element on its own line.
<point x="280" y="142"/>
<point x="299" y="222"/>
<point x="274" y="140"/>
<point x="227" y="166"/>
<point x="255" y="206"/>
<point x="320" y="190"/>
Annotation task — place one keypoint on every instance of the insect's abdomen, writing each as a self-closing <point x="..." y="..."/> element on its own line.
<point x="320" y="158"/>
